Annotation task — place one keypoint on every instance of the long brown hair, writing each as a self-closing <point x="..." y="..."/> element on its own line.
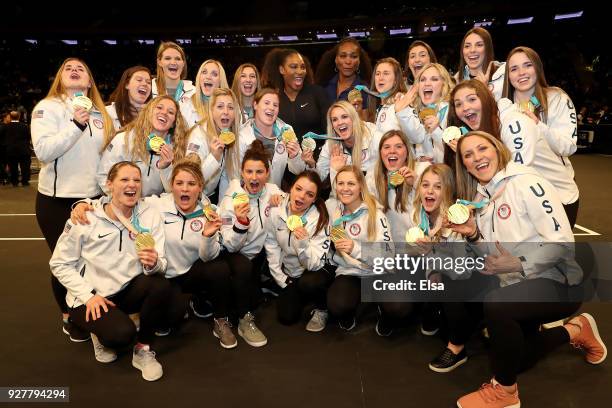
<point x="160" y="79"/>
<point x="430" y="52"/>
<point x="398" y="86"/>
<point x="319" y="203"/>
<point x="121" y="97"/>
<point x="488" y="54"/>
<point x="236" y="81"/>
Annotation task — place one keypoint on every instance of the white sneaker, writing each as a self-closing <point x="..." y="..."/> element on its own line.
<point x="103" y="354"/>
<point x="318" y="321"/>
<point x="144" y="360"/>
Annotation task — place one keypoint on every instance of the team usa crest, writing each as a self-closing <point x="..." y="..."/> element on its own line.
<point x="196" y="225"/>
<point x="383" y="116"/>
<point x="280" y="148"/>
<point x="98" y="123"/>
<point x="354" y="229"/>
<point x="504" y="211"/>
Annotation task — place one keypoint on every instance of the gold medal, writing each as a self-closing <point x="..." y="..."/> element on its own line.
<point x="413" y="234"/>
<point x="294" y="222"/>
<point x="289" y="136"/>
<point x="451" y="133"/>
<point x="458" y="214"/>
<point x="83" y="102"/>
<point x="144" y="240"/>
<point x="354" y="95"/>
<point x="227" y="137"/>
<point x="240" y="198"/>
<point x="526" y="106"/>
<point x="209" y="211"/>
<point x="156" y="143"/>
<point x="337" y="233"/>
<point x="309" y="143"/>
<point x="426" y="112"/>
<point x="396" y="179"/>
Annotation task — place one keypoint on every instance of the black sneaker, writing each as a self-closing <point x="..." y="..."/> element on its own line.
<point x="75" y="333"/>
<point x="201" y="309"/>
<point x="447" y="361"/>
<point x="431" y="322"/>
<point x="163" y="332"/>
<point x="270" y="287"/>
<point x="347" y="324"/>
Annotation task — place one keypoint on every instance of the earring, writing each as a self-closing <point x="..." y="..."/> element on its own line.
<point x="335" y="68"/>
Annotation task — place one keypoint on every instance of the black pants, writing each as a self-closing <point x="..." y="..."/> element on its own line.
<point x="516" y="341"/>
<point x="148" y="295"/>
<point x="344" y="296"/>
<point x="23" y="161"/>
<point x="52" y="214"/>
<point x="226" y="280"/>
<point x="310" y="287"/>
<point x="571" y="210"/>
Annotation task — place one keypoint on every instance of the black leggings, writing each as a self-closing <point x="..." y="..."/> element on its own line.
<point x="149" y="295"/>
<point x="52" y="214"/>
<point x="310" y="287"/>
<point x="516" y="341"/>
<point x="344" y="296"/>
<point x="226" y="278"/>
<point x="571" y="210"/>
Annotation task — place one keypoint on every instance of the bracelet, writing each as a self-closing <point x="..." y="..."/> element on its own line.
<point x="475" y="237"/>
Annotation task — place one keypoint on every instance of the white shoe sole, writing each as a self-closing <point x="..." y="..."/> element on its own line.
<point x="154" y="378"/>
<point x="429" y="333"/>
<point x="596" y="333"/>
<point x="72" y="339"/>
<point x="317" y="330"/>
<point x="103" y="361"/>
<point x="448" y="369"/>
<point x="225" y="346"/>
<point x="252" y="343"/>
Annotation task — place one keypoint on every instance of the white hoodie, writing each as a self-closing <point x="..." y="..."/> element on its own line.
<point x="185" y="104"/>
<point x="101" y="256"/>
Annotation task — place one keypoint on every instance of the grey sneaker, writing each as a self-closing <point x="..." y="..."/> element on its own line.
<point x="223" y="331"/>
<point x="144" y="360"/>
<point x="318" y="321"/>
<point x="250" y="332"/>
<point x="103" y="354"/>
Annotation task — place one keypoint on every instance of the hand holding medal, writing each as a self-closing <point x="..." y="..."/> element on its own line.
<point x="213" y="221"/>
<point x="395" y="179"/>
<point x="81" y="101"/>
<point x="414" y="234"/>
<point x="227" y="137"/>
<point x="242" y="208"/>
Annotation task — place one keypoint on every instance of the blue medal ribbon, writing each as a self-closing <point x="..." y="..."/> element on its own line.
<point x="179" y="91"/>
<point x="136" y="223"/>
<point x="475" y="204"/>
<point x="312" y="135"/>
<point x="424" y="224"/>
<point x="152" y="135"/>
<point x="381" y="95"/>
<point x="349" y="217"/>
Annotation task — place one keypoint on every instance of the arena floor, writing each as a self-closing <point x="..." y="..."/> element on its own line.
<point x="296" y="368"/>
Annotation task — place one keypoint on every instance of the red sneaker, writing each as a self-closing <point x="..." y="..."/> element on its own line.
<point x="588" y="339"/>
<point x="490" y="395"/>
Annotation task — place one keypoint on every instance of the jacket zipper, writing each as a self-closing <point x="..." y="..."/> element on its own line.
<point x="55" y="177"/>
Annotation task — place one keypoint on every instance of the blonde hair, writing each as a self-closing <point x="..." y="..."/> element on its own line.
<point x="160" y="79"/>
<point x="381" y="177"/>
<point x="236" y="81"/>
<point x="58" y="91"/>
<point x="189" y="166"/>
<point x="361" y="133"/>
<point x="199" y="102"/>
<point x="141" y="127"/>
<point x="448" y="192"/>
<point x="210" y="129"/>
<point x="366" y="197"/>
<point x="447" y="84"/>
<point x="466" y="183"/>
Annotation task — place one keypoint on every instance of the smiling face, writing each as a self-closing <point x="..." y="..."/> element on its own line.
<point x="254" y="175"/>
<point x="75" y="76"/>
<point x="393" y="153"/>
<point x="172" y="64"/>
<point x="430" y="191"/>
<point x="302" y="195"/>
<point x="125" y="187"/>
<point x="430" y="86"/>
<point x="521" y="73"/>
<point x="479" y="158"/>
<point x="418" y="57"/>
<point x="474" y="51"/>
<point x="139" y="88"/>
<point x="186" y="191"/>
<point x="223" y="112"/>
<point x="266" y="110"/>
<point x="348" y="189"/>
<point x="347" y="59"/>
<point x="293" y="72"/>
<point x="384" y="77"/>
<point x="342" y="123"/>
<point x="248" y="81"/>
<point x="468" y="107"/>
<point x="210" y="78"/>
<point x="163" y="115"/>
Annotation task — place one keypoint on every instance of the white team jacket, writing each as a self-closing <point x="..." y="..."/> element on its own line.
<point x="248" y="240"/>
<point x="561" y="129"/>
<point x="69" y="156"/>
<point x="524" y="139"/>
<point x="496" y="85"/>
<point x="118" y="151"/>
<point x="428" y="144"/>
<point x="357" y="230"/>
<point x="386" y="119"/>
<point x="112" y="112"/>
<point x="102" y="256"/>
<point x="369" y="154"/>
<point x="527" y="217"/>
<point x="211" y="168"/>
<point x="399" y="222"/>
<point x="281" y="159"/>
<point x="288" y="256"/>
